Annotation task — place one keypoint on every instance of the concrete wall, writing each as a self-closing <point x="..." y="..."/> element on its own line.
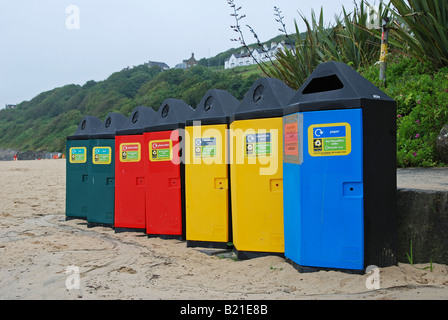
<point x="422" y="219"/>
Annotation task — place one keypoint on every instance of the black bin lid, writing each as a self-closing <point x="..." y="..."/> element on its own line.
<point x="335" y="85"/>
<point x="140" y="118"/>
<point x="88" y="126"/>
<point x="112" y="123"/>
<point x="172" y="114"/>
<point x="265" y="99"/>
<point x="216" y="107"/>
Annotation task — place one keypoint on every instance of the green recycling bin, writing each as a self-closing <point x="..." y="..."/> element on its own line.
<point x="101" y="171"/>
<point x="78" y="157"/>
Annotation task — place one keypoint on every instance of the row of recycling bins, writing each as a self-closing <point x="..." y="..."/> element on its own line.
<point x="310" y="175"/>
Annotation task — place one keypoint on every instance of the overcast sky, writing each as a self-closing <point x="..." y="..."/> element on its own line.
<point x="43" y="45"/>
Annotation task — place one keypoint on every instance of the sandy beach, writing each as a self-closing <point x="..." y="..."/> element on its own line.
<point x="38" y="246"/>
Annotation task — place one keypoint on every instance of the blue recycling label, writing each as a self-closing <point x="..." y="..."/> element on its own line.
<point x="258" y="137"/>
<point x="329" y="132"/>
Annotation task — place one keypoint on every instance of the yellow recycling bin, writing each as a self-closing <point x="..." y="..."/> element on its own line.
<point x="256" y="148"/>
<point x="208" y="212"/>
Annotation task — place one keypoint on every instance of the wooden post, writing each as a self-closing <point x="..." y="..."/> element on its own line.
<point x="384" y="50"/>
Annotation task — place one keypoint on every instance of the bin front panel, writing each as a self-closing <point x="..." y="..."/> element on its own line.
<point x="164" y="187"/>
<point x="206" y="184"/>
<point x="78" y="157"/>
<point x="101" y="195"/>
<point x="257" y="185"/>
<point x="324" y="215"/>
<point x="130" y="182"/>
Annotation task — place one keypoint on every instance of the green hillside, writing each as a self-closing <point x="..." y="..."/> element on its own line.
<point x="42" y="123"/>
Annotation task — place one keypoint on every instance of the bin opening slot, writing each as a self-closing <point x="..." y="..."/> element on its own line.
<point x="258" y="93"/>
<point x="165" y="111"/>
<point x="135" y="117"/>
<point x="323" y="84"/>
<point x="208" y="103"/>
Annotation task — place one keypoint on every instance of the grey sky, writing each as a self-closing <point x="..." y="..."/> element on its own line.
<point x="39" y="53"/>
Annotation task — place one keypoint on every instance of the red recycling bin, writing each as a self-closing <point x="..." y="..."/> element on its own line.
<point x="164" y="172"/>
<point x="130" y="160"/>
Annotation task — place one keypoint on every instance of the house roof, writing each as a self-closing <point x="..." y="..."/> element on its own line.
<point x="162" y="65"/>
<point x="259" y="51"/>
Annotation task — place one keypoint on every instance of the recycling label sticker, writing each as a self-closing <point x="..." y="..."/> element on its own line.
<point x="130" y="152"/>
<point x="332" y="139"/>
<point x="258" y="145"/>
<point x="205" y="147"/>
<point x="78" y="155"/>
<point x="102" y="155"/>
<point x="293" y="138"/>
<point x="160" y="150"/>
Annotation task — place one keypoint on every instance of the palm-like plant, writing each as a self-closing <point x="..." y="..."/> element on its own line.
<point x="343" y="42"/>
<point x="421" y="27"/>
<point x="356" y="47"/>
<point x="297" y="62"/>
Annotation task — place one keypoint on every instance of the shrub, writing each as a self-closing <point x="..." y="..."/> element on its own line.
<point x="422" y="109"/>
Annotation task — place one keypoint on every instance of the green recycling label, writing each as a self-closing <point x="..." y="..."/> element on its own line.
<point x="78" y="155"/>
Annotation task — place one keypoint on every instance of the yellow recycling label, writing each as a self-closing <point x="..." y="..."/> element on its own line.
<point x="102" y="155"/>
<point x="160" y="150"/>
<point x="78" y="155"/>
<point x="331" y="139"/>
<point x="130" y="152"/>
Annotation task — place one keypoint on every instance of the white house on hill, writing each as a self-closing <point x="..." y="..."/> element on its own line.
<point x="244" y="58"/>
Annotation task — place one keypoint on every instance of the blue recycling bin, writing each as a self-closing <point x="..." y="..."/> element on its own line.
<point x="339" y="169"/>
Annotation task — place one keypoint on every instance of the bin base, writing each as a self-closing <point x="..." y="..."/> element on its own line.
<point x="68" y="218"/>
<point x="208" y="244"/>
<point x="120" y="229"/>
<point x="97" y="224"/>
<point x="167" y="236"/>
<point x="306" y="269"/>
<point x="246" y="255"/>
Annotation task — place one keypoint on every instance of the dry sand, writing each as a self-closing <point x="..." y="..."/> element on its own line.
<point x="37" y="245"/>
